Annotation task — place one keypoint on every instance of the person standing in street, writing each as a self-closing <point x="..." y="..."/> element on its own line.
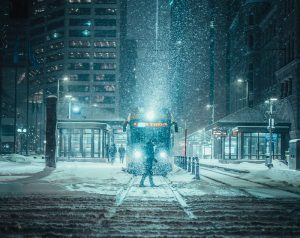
<point x="112" y="153"/>
<point x="121" y="153"/>
<point x="148" y="164"/>
<point x="107" y="152"/>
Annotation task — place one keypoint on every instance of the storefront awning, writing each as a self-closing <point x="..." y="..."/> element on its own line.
<point x="262" y="129"/>
<point x="246" y="117"/>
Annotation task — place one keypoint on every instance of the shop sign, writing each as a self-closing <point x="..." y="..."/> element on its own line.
<point x="274" y="137"/>
<point x="235" y="133"/>
<point x="219" y="132"/>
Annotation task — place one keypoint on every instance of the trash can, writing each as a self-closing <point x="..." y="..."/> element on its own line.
<point x="294" y="159"/>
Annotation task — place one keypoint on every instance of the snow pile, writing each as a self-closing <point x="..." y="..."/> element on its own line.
<point x="89" y="177"/>
<point x="14" y="164"/>
<point x="280" y="174"/>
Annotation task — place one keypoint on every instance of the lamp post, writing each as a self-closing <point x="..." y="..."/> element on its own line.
<point x="212" y="107"/>
<point x="21" y="132"/>
<point x="65" y="78"/>
<point x="271" y="127"/>
<point x="241" y="81"/>
<point x="70" y="98"/>
<point x="185" y="138"/>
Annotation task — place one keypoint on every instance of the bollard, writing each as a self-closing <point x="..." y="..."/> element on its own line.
<point x="197" y="169"/>
<point x="193" y="165"/>
<point x="189" y="164"/>
<point x="181" y="162"/>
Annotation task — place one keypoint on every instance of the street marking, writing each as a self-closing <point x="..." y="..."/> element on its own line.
<point x="181" y="200"/>
<point x="121" y="194"/>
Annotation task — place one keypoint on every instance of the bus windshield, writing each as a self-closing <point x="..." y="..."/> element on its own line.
<point x="142" y="135"/>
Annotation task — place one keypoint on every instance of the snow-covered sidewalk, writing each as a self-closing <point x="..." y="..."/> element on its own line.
<point x="259" y="172"/>
<point x="28" y="174"/>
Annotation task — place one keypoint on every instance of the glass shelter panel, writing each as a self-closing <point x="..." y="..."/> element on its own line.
<point x="87" y="143"/>
<point x="75" y="142"/>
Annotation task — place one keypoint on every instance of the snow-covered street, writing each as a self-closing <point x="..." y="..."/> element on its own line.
<point x="102" y="178"/>
<point x="102" y="200"/>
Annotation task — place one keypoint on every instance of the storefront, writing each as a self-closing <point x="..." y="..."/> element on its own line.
<point x="252" y="143"/>
<point x="245" y="136"/>
<point x="83" y="140"/>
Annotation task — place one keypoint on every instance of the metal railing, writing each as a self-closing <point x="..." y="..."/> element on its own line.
<point x="190" y="164"/>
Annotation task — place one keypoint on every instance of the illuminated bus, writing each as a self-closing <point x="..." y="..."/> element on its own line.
<point x="158" y="127"/>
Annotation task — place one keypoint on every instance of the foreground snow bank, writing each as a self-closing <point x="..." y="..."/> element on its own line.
<point x="280" y="173"/>
<point x="15" y="164"/>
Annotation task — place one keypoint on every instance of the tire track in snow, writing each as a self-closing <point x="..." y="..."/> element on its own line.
<point x="120" y="197"/>
<point x="180" y="200"/>
<point x="247" y="180"/>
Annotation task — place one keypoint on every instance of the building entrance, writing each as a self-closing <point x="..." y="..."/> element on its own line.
<point x="82" y="140"/>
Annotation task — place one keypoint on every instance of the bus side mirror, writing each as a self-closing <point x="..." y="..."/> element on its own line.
<point x="124" y="126"/>
<point x="176" y="127"/>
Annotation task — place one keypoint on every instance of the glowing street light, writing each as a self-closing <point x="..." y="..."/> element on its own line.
<point x="240" y="81"/>
<point x="212" y="107"/>
<point x="65" y="78"/>
<point x="271" y="127"/>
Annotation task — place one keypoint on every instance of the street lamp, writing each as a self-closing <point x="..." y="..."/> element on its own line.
<point x="70" y="99"/>
<point x="65" y="78"/>
<point x="212" y="107"/>
<point x="21" y="131"/>
<point x="241" y="81"/>
<point x="271" y="127"/>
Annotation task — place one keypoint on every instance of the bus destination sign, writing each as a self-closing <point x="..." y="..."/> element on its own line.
<point x="150" y="124"/>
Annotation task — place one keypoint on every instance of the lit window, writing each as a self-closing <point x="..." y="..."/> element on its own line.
<point x="104" y="55"/>
<point x="105" y="66"/>
<point x="105" y="11"/>
<point x="79" y="11"/>
<point x="105" y="44"/>
<point x="105" y="77"/>
<point x="79" y="55"/>
<point x="79" y="44"/>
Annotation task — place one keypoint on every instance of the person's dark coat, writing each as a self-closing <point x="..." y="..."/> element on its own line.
<point x="149" y="151"/>
<point x="113" y="151"/>
<point x="122" y="151"/>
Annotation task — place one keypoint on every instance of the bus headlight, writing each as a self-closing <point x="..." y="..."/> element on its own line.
<point x="150" y="115"/>
<point x="163" y="154"/>
<point x="137" y="154"/>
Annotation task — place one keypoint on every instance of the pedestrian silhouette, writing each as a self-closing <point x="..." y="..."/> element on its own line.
<point x="107" y="152"/>
<point x="112" y="153"/>
<point x="148" y="164"/>
<point x="121" y="153"/>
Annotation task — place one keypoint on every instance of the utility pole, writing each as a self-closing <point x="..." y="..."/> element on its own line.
<point x="185" y="138"/>
<point x="212" y="58"/>
<point x="1" y="93"/>
<point x="16" y="62"/>
<point x="212" y="69"/>
<point x="271" y="127"/>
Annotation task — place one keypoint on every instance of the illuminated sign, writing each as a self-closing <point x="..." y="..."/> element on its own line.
<point x="218" y="132"/>
<point x="150" y="124"/>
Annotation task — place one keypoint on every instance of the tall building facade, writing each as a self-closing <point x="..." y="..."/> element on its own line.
<point x="77" y="40"/>
<point x="13" y="61"/>
<point x="247" y="54"/>
<point x="198" y="61"/>
<point x="264" y="53"/>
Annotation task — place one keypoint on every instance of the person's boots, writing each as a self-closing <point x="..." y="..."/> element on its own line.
<point x="151" y="182"/>
<point x="142" y="181"/>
